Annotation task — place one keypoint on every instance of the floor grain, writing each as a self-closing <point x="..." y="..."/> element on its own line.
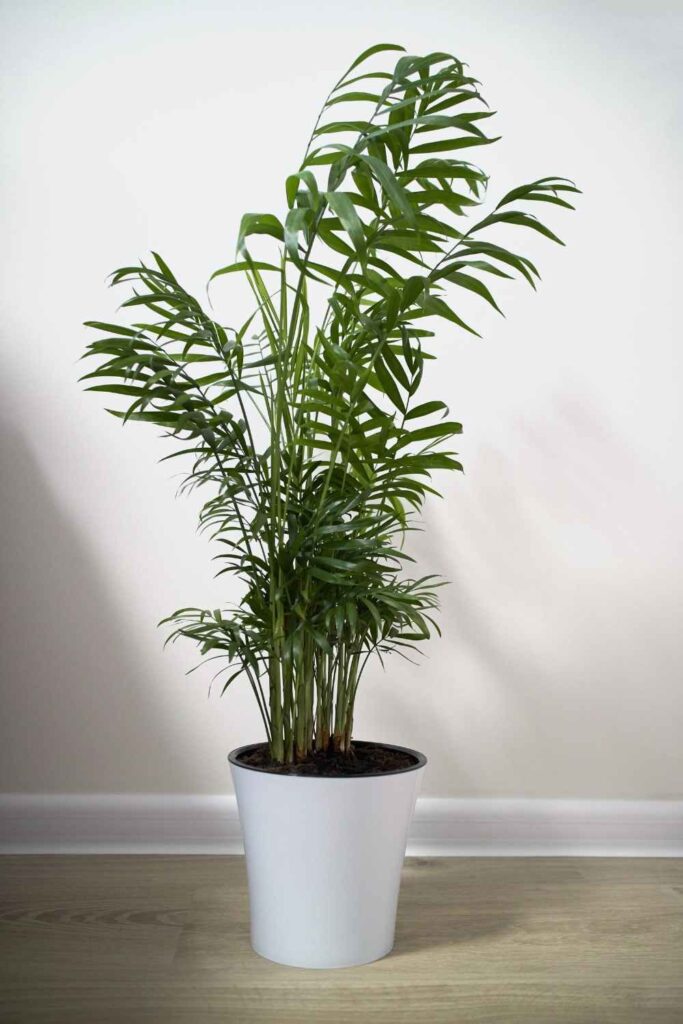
<point x="152" y="939"/>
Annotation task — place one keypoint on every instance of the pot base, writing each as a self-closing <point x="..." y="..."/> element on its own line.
<point x="332" y="966"/>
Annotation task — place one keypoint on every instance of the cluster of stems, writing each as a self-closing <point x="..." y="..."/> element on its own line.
<point x="312" y="697"/>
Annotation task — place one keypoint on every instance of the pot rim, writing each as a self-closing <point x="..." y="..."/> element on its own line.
<point x="421" y="761"/>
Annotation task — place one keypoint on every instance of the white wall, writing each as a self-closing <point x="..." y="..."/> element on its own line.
<point x="156" y="124"/>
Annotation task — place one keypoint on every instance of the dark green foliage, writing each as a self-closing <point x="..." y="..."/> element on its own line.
<point x="312" y="520"/>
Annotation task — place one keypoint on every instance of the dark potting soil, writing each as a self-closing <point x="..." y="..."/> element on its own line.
<point x="363" y="759"/>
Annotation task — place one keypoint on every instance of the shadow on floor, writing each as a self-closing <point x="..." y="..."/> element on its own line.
<point x="432" y="915"/>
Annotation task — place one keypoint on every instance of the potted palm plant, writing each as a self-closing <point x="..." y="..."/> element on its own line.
<point x="310" y="439"/>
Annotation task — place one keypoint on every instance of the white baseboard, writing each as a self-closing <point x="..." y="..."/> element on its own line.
<point x="168" y="823"/>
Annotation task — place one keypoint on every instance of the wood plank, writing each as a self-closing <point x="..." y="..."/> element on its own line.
<point x="511" y="940"/>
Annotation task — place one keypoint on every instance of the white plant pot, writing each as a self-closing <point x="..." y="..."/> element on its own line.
<point x="324" y="859"/>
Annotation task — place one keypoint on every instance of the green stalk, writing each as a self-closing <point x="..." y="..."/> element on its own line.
<point x="338" y="734"/>
<point x="322" y="732"/>
<point x="277" y="742"/>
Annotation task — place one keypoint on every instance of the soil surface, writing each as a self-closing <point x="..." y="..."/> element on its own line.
<point x="363" y="759"/>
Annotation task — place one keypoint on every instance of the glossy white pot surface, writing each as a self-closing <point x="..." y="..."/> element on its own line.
<point x="324" y="858"/>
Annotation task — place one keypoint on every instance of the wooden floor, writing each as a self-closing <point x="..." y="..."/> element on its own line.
<point x="501" y="941"/>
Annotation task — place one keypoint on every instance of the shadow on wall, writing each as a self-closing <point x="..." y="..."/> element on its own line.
<point x="63" y="643"/>
<point x="563" y="607"/>
<point x="557" y="674"/>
